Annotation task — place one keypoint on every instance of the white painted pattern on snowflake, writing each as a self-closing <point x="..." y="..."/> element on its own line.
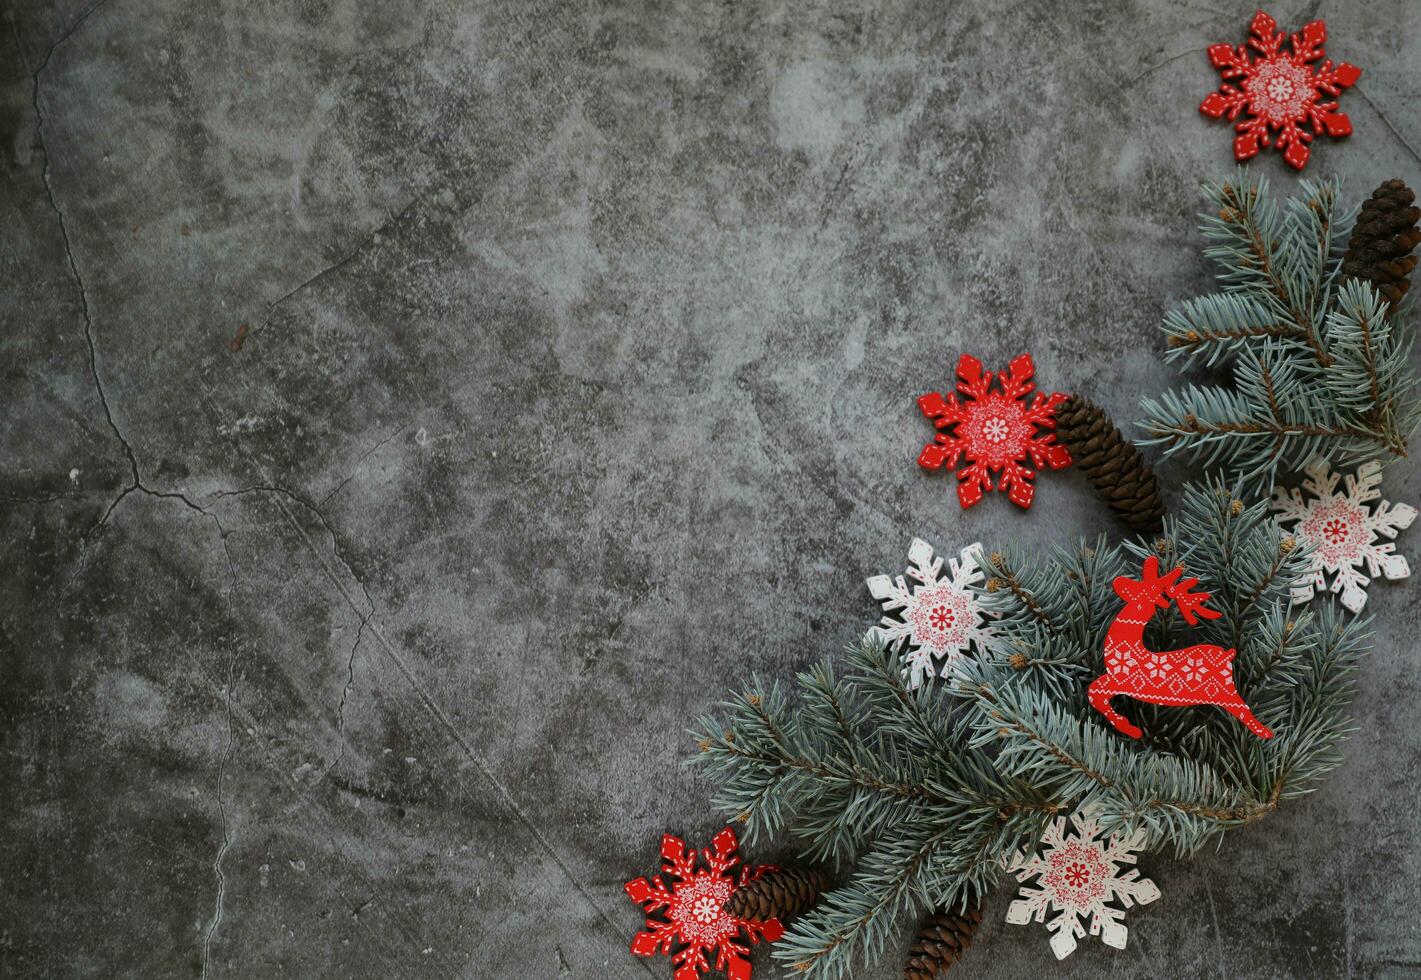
<point x="938" y="617"/>
<point x="696" y="909"/>
<point x="998" y="427"/>
<point x="1079" y="877"/>
<point x="1279" y="90"/>
<point x="1345" y="536"/>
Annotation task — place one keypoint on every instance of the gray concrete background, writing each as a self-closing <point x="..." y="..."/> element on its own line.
<point x="582" y="343"/>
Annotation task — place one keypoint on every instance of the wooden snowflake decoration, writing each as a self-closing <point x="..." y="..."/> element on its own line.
<point x="1079" y="877"/>
<point x="694" y="909"/>
<point x="1279" y="90"/>
<point x="936" y="617"/>
<point x="1345" y="536"/>
<point x="994" y="431"/>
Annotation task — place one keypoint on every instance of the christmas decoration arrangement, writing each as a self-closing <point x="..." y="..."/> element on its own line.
<point x="1273" y="83"/>
<point x="1053" y="715"/>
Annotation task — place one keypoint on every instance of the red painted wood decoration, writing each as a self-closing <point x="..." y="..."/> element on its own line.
<point x="1201" y="674"/>
<point x="1279" y="91"/>
<point x="695" y="914"/>
<point x="995" y="431"/>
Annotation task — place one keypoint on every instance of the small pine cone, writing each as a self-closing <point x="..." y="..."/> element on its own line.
<point x="1379" y="250"/>
<point x="941" y="942"/>
<point x="779" y="895"/>
<point x="1119" y="473"/>
<point x="1114" y="466"/>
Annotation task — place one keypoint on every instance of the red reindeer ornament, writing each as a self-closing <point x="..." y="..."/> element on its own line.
<point x="1201" y="674"/>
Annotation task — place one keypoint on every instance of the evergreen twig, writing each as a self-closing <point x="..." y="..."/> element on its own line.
<point x="1318" y="366"/>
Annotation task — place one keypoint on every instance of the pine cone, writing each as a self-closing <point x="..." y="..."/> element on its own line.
<point x="1379" y="250"/>
<point x="1119" y="473"/>
<point x="941" y="942"/>
<point x="779" y="895"/>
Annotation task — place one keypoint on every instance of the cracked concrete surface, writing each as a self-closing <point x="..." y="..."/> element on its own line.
<point x="417" y="412"/>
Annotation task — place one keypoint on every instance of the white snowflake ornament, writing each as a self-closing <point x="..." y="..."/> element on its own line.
<point x="1078" y="874"/>
<point x="937" y="618"/>
<point x="1343" y="533"/>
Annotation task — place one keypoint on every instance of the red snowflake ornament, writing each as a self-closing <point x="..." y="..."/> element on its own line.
<point x="1201" y="674"/>
<point x="995" y="431"/>
<point x="1280" y="91"/>
<point x="695" y="913"/>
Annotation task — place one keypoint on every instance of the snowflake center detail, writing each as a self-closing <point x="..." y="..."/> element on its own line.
<point x="1279" y="91"/>
<point x="997" y="429"/>
<point x="939" y="618"/>
<point x="1078" y="875"/>
<point x="696" y="909"/>
<point x="1335" y="529"/>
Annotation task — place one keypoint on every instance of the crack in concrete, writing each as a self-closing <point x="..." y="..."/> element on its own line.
<point x="68" y="34"/>
<point x="68" y="249"/>
<point x="228" y="834"/>
<point x="363" y="457"/>
<point x="170" y="495"/>
<point x="308" y="504"/>
<point x="1166" y="62"/>
<point x="337" y="265"/>
<point x="430" y="705"/>
<point x="344" y="695"/>
<point x="90" y="342"/>
<point x="1389" y="125"/>
<point x="365" y="617"/>
<point x="349" y="682"/>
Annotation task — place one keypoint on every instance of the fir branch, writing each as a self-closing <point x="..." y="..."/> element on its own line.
<point x="853" y="922"/>
<point x="1002" y="576"/>
<point x="926" y="794"/>
<point x="1319" y="368"/>
<point x="1247" y="214"/>
<point x="1208" y="328"/>
<point x="1375" y="385"/>
<point x="1271" y="419"/>
<point x="1309" y="743"/>
<point x="1171" y="800"/>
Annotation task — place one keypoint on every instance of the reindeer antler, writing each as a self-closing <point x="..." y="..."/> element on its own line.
<point x="1191" y="603"/>
<point x="1150" y="587"/>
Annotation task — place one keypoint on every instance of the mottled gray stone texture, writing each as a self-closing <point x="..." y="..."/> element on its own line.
<point x="415" y="412"/>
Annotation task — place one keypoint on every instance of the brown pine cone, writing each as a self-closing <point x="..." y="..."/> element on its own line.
<point x="1379" y="250"/>
<point x="779" y="895"/>
<point x="941" y="942"/>
<point x="1119" y="473"/>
